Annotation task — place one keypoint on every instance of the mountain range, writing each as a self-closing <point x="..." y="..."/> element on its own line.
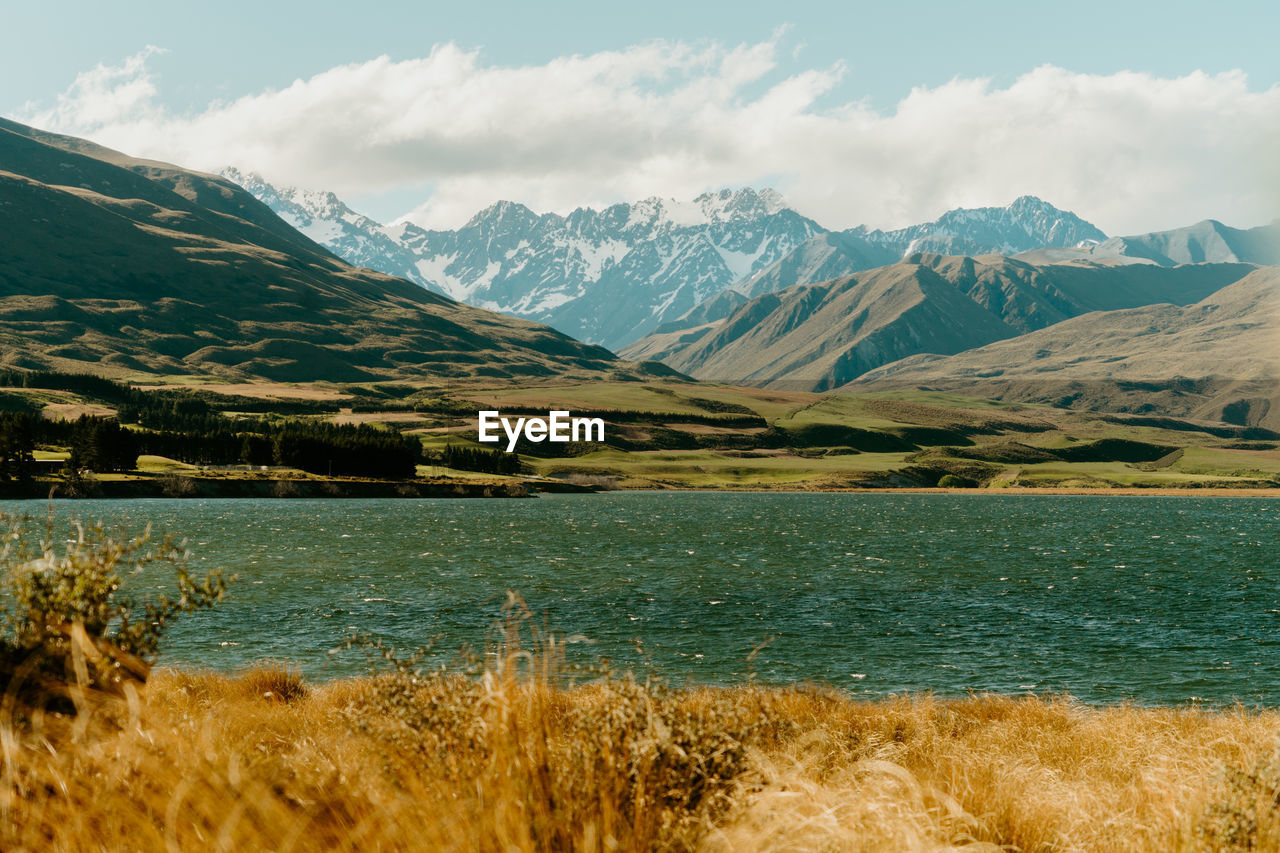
<point x="130" y="267"/>
<point x="122" y="266"/>
<point x="1205" y="242"/>
<point x="615" y="275"/>
<point x="1216" y="359"/>
<point x="819" y="337"/>
<point x="607" y="276"/>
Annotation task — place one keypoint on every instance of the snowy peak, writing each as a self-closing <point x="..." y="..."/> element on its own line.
<point x="503" y="217"/>
<point x="1050" y="226"/>
<point x="729" y="205"/>
<point x="711" y="208"/>
<point x="651" y="216"/>
<point x="612" y="276"/>
<point x="306" y="204"/>
<point x="1027" y="223"/>
<point x="606" y="276"/>
<point x="324" y="218"/>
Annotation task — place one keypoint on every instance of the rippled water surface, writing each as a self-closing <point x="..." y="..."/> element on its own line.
<point x="1157" y="599"/>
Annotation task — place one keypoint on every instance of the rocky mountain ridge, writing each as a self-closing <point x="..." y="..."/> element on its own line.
<point x="613" y="276"/>
<point x="127" y="267"/>
<point x="1216" y="359"/>
<point x="818" y="337"/>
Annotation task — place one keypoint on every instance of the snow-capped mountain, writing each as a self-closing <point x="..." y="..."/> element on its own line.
<point x="1028" y="223"/>
<point x="609" y="276"/>
<point x="613" y="276"/>
<point x="325" y="219"/>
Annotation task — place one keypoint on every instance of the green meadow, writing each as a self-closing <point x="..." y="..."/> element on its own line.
<point x="685" y="435"/>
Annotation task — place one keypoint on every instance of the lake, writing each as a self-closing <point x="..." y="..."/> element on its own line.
<point x="1108" y="598"/>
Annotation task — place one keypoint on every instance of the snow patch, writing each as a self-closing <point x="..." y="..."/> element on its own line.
<point x="741" y="264"/>
<point x="432" y="270"/>
<point x="597" y="258"/>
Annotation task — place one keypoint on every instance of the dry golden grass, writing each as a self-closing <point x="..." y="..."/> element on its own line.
<point x="261" y="390"/>
<point x="992" y="773"/>
<point x="513" y="760"/>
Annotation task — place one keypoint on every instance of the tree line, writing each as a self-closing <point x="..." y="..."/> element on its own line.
<point x="195" y="428"/>
<point x="105" y="445"/>
<point x="483" y="461"/>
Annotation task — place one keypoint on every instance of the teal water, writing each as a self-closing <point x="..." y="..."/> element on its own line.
<point x="1108" y="598"/>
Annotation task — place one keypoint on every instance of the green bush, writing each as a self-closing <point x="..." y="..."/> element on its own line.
<point x="67" y="626"/>
<point x="1247" y="816"/>
<point x="951" y="481"/>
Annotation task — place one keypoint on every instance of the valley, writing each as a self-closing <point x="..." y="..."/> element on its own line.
<point x="625" y="428"/>
<point x="668" y="435"/>
<point x="242" y="358"/>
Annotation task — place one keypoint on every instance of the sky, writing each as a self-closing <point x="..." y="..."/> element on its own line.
<point x="1137" y="116"/>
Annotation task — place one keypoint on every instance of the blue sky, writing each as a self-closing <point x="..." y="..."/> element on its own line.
<point x="234" y="48"/>
<point x="831" y="70"/>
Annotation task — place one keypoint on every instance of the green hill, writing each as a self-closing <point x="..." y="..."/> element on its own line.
<point x="820" y="336"/>
<point x="1216" y="359"/>
<point x="124" y="267"/>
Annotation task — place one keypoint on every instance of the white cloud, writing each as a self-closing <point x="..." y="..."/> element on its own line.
<point x="1129" y="151"/>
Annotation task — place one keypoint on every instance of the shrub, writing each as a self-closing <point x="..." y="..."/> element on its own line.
<point x="951" y="481"/>
<point x="67" y="626"/>
<point x="276" y="682"/>
<point x="648" y="766"/>
<point x="1247" y="816"/>
<point x="78" y="484"/>
<point x="177" y="486"/>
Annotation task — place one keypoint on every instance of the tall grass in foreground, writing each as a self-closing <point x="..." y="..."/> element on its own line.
<point x="510" y="759"/>
<point x="99" y="753"/>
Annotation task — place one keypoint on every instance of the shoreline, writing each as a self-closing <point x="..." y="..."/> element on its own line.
<point x="209" y="487"/>
<point x="329" y="489"/>
<point x="1119" y="491"/>
<point x="924" y="694"/>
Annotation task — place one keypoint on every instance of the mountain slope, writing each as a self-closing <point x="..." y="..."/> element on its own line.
<point x="120" y="266"/>
<point x="813" y="338"/>
<point x="1205" y="242"/>
<point x="1026" y="223"/>
<point x="615" y="275"/>
<point x="1217" y="358"/>
<point x="819" y="336"/>
<point x="821" y="258"/>
<point x="609" y="276"/>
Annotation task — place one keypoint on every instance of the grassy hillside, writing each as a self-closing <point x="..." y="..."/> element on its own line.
<point x="687" y="435"/>
<point x="126" y="267"/>
<point x="821" y="336"/>
<point x="1217" y="359"/>
<point x="698" y="435"/>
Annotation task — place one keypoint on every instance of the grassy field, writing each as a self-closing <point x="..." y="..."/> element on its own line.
<point x="677" y="434"/>
<point x="709" y="469"/>
<point x="955" y="430"/>
<point x="680" y="397"/>
<point x="515" y="759"/>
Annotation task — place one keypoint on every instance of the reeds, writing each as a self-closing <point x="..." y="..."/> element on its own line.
<point x="512" y="757"/>
<point x="519" y="751"/>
